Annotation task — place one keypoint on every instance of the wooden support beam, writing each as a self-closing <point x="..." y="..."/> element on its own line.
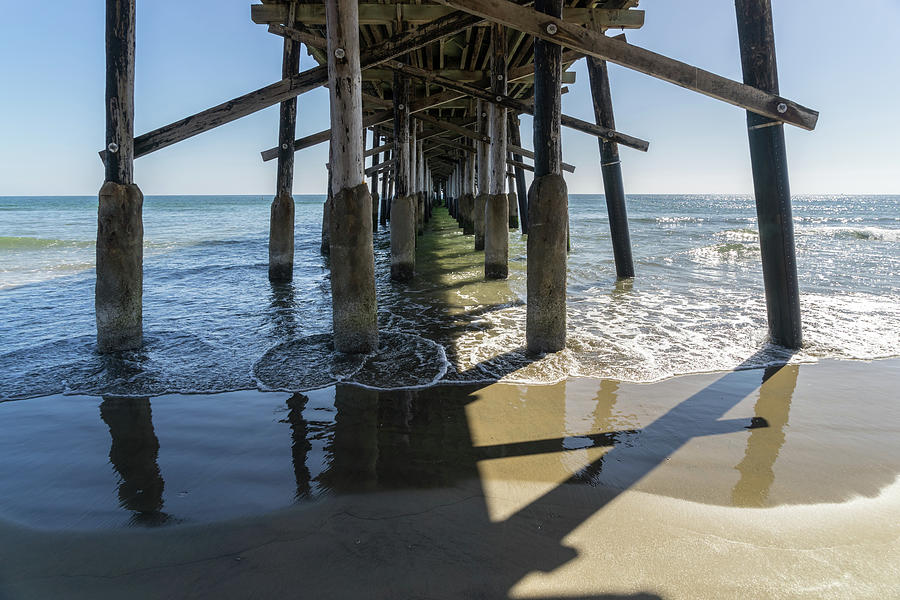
<point x="354" y="308"/>
<point x="281" y="214"/>
<point x="418" y="14"/>
<point x="368" y="121"/>
<point x="378" y="149"/>
<point x="611" y="168"/>
<point x="771" y="185"/>
<point x="529" y="154"/>
<point x="120" y="15"/>
<point x="385" y="165"/>
<point x="548" y="202"/>
<point x="595" y="44"/>
<point x="515" y="139"/>
<point x="520" y="106"/>
<point x="467" y="133"/>
<point x="294" y="86"/>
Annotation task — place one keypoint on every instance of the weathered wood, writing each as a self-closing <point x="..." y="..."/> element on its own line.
<point x="345" y="94"/>
<point x="468" y="133"/>
<point x="354" y="308"/>
<point x="418" y="14"/>
<point x="497" y="113"/>
<point x="287" y="124"/>
<point x="368" y="121"/>
<point x="301" y="83"/>
<point x="548" y="214"/>
<point x="281" y="214"/>
<point x="519" y="106"/>
<point x="547" y="104"/>
<point x="611" y="168"/>
<point x="770" y="177"/>
<point x="120" y="91"/>
<point x="633" y="57"/>
<point x="401" y="133"/>
<point x="529" y="154"/>
<point x="521" y="189"/>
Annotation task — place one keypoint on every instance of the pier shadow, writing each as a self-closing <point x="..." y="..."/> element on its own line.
<point x="424" y="439"/>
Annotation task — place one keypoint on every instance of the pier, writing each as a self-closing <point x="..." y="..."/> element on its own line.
<point x="442" y="86"/>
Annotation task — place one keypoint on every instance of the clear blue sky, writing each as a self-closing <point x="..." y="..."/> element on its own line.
<point x="193" y="55"/>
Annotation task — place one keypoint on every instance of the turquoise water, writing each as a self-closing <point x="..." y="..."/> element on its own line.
<point x="214" y="323"/>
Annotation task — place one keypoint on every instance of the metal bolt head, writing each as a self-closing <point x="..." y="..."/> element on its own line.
<point x="499" y="77"/>
<point x="499" y="98"/>
<point x="339" y="53"/>
<point x="113" y="147"/>
<point x="284" y="146"/>
<point x="781" y="108"/>
<point x="401" y="106"/>
<point x="551" y="28"/>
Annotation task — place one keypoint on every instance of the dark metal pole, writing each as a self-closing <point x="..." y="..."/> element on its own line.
<point x="611" y="167"/>
<point x="770" y="176"/>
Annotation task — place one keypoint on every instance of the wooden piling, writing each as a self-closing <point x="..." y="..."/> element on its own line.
<point x="545" y="328"/>
<point x="118" y="294"/>
<point x="521" y="189"/>
<point x="484" y="174"/>
<point x="611" y="168"/>
<point x="496" y="215"/>
<point x="770" y="176"/>
<point x="403" y="208"/>
<point x="281" y="217"/>
<point x="352" y="258"/>
<point x="374" y="186"/>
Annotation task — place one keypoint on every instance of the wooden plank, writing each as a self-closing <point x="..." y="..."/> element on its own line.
<point x="418" y="14"/>
<point x="294" y="86"/>
<point x="639" y="59"/>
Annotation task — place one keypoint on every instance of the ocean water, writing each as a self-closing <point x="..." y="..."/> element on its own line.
<point x="214" y="323"/>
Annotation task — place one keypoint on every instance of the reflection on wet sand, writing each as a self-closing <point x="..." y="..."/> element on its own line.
<point x="300" y="444"/>
<point x="764" y="443"/>
<point x="133" y="454"/>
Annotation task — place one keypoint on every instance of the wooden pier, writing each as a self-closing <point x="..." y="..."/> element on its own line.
<point x="442" y="85"/>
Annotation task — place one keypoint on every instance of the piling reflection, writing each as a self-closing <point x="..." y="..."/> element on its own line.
<point x="764" y="444"/>
<point x="133" y="454"/>
<point x="300" y="444"/>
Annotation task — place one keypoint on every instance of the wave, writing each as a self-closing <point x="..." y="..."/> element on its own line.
<point x="32" y="243"/>
<point x="858" y="233"/>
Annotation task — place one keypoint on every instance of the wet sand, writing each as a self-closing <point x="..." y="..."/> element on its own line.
<point x="776" y="483"/>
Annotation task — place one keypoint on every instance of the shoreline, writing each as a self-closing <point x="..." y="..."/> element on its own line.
<point x="754" y="483"/>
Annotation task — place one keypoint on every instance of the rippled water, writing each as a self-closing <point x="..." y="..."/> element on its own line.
<point x="214" y="323"/>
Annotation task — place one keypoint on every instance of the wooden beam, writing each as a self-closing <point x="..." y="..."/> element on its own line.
<point x="418" y="14"/>
<point x="481" y="137"/>
<point x="520" y="106"/>
<point x="294" y="86"/>
<point x="529" y="154"/>
<point x="379" y="167"/>
<point x="650" y="63"/>
<point x="368" y="121"/>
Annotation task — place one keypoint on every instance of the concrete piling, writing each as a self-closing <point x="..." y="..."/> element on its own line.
<point x="545" y="329"/>
<point x="119" y="288"/>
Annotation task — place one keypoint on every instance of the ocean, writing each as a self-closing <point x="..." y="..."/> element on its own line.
<point x="214" y="323"/>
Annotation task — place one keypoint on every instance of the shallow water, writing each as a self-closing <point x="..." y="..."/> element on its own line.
<point x="214" y="323"/>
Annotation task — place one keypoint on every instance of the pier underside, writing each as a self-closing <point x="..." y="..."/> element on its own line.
<point x="442" y="87"/>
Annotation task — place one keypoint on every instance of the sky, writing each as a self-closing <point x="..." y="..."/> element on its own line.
<point x="194" y="55"/>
